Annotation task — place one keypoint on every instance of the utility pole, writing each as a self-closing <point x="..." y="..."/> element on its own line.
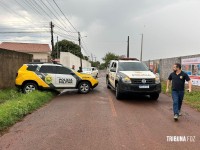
<point x="95" y="58"/>
<point x="57" y="49"/>
<point x="52" y="41"/>
<point x="128" y="48"/>
<point x="79" y="41"/>
<point x="141" y="48"/>
<point x="92" y="57"/>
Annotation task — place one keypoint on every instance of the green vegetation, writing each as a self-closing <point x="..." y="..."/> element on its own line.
<point x="67" y="46"/>
<point x="15" y="107"/>
<point x="8" y="94"/>
<point x="192" y="99"/>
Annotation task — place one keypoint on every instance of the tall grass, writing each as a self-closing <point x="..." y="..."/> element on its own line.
<point x="14" y="110"/>
<point x="8" y="94"/>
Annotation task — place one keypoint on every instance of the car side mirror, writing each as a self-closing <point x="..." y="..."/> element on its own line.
<point x="113" y="69"/>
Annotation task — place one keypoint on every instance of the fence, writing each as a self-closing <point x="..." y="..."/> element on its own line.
<point x="164" y="66"/>
<point x="10" y="62"/>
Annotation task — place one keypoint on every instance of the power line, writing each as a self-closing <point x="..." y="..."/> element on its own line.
<point x="41" y="8"/>
<point x="23" y="32"/>
<point x="64" y="29"/>
<point x="56" y="11"/>
<point x="65" y="16"/>
<point x="65" y="36"/>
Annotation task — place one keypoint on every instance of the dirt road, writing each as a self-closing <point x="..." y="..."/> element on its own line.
<point x="97" y="121"/>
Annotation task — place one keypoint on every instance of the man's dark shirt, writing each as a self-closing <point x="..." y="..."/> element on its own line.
<point x="178" y="81"/>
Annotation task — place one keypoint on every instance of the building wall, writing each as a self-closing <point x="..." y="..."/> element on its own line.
<point x="10" y="62"/>
<point x="165" y="65"/>
<point x="68" y="60"/>
<point x="43" y="57"/>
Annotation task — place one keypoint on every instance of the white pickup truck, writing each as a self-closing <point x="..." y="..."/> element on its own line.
<point x="132" y="76"/>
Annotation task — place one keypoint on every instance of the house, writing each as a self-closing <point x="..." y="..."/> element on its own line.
<point x="40" y="52"/>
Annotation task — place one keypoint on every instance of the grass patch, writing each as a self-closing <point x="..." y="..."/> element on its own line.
<point x="14" y="110"/>
<point x="9" y="94"/>
<point x="192" y="99"/>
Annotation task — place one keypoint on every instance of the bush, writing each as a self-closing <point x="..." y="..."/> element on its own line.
<point x="12" y="111"/>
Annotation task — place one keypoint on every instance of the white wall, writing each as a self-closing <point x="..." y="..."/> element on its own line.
<point x="43" y="57"/>
<point x="67" y="59"/>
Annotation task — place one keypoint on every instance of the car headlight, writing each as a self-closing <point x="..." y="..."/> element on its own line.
<point x="126" y="80"/>
<point x="157" y="79"/>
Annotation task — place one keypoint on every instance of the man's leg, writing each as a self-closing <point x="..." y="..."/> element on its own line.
<point x="180" y="100"/>
<point x="175" y="98"/>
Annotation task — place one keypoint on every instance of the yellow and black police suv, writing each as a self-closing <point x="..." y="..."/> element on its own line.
<point x="35" y="76"/>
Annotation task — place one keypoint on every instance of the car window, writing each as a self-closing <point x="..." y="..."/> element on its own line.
<point x="114" y="65"/>
<point x="132" y="66"/>
<point x="62" y="70"/>
<point x="32" y="67"/>
<point x="47" y="69"/>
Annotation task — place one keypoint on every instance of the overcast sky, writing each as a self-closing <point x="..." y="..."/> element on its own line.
<point x="171" y="27"/>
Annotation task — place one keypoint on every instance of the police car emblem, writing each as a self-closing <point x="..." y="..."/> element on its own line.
<point x="48" y="79"/>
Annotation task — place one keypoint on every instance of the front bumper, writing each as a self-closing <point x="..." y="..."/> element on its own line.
<point x="135" y="88"/>
<point x="95" y="85"/>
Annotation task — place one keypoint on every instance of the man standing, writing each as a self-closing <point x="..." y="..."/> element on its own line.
<point x="178" y="78"/>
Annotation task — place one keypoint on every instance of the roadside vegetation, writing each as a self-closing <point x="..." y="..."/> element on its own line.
<point x="15" y="105"/>
<point x="192" y="99"/>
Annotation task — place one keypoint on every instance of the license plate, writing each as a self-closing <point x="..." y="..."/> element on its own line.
<point x="144" y="86"/>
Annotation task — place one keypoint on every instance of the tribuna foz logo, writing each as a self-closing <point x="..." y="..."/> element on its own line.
<point x="180" y="138"/>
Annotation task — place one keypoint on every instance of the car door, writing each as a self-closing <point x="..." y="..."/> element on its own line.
<point x="65" y="78"/>
<point x="112" y="73"/>
<point x="46" y="73"/>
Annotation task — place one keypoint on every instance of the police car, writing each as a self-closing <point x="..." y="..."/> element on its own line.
<point x="31" y="77"/>
<point x="132" y="76"/>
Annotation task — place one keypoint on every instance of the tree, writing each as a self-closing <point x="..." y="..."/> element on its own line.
<point x="102" y="66"/>
<point x="66" y="46"/>
<point x="108" y="57"/>
<point x="95" y="64"/>
<point x="86" y="58"/>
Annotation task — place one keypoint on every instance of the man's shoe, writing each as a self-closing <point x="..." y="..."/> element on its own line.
<point x="180" y="114"/>
<point x="176" y="117"/>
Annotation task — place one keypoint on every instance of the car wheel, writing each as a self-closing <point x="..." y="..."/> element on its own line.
<point x="107" y="84"/>
<point x="84" y="87"/>
<point x="29" y="87"/>
<point x="117" y="92"/>
<point x="154" y="96"/>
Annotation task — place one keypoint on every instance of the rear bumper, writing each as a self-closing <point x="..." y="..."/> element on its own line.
<point x="135" y="88"/>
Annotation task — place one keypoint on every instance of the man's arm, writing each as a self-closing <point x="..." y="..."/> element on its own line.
<point x="167" y="88"/>
<point x="190" y="86"/>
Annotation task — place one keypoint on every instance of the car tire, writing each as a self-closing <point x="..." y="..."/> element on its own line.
<point x="29" y="87"/>
<point x="117" y="92"/>
<point x="107" y="84"/>
<point x="154" y="96"/>
<point x="84" y="87"/>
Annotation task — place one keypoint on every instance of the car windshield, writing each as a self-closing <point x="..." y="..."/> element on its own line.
<point x="132" y="66"/>
<point x="86" y="69"/>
